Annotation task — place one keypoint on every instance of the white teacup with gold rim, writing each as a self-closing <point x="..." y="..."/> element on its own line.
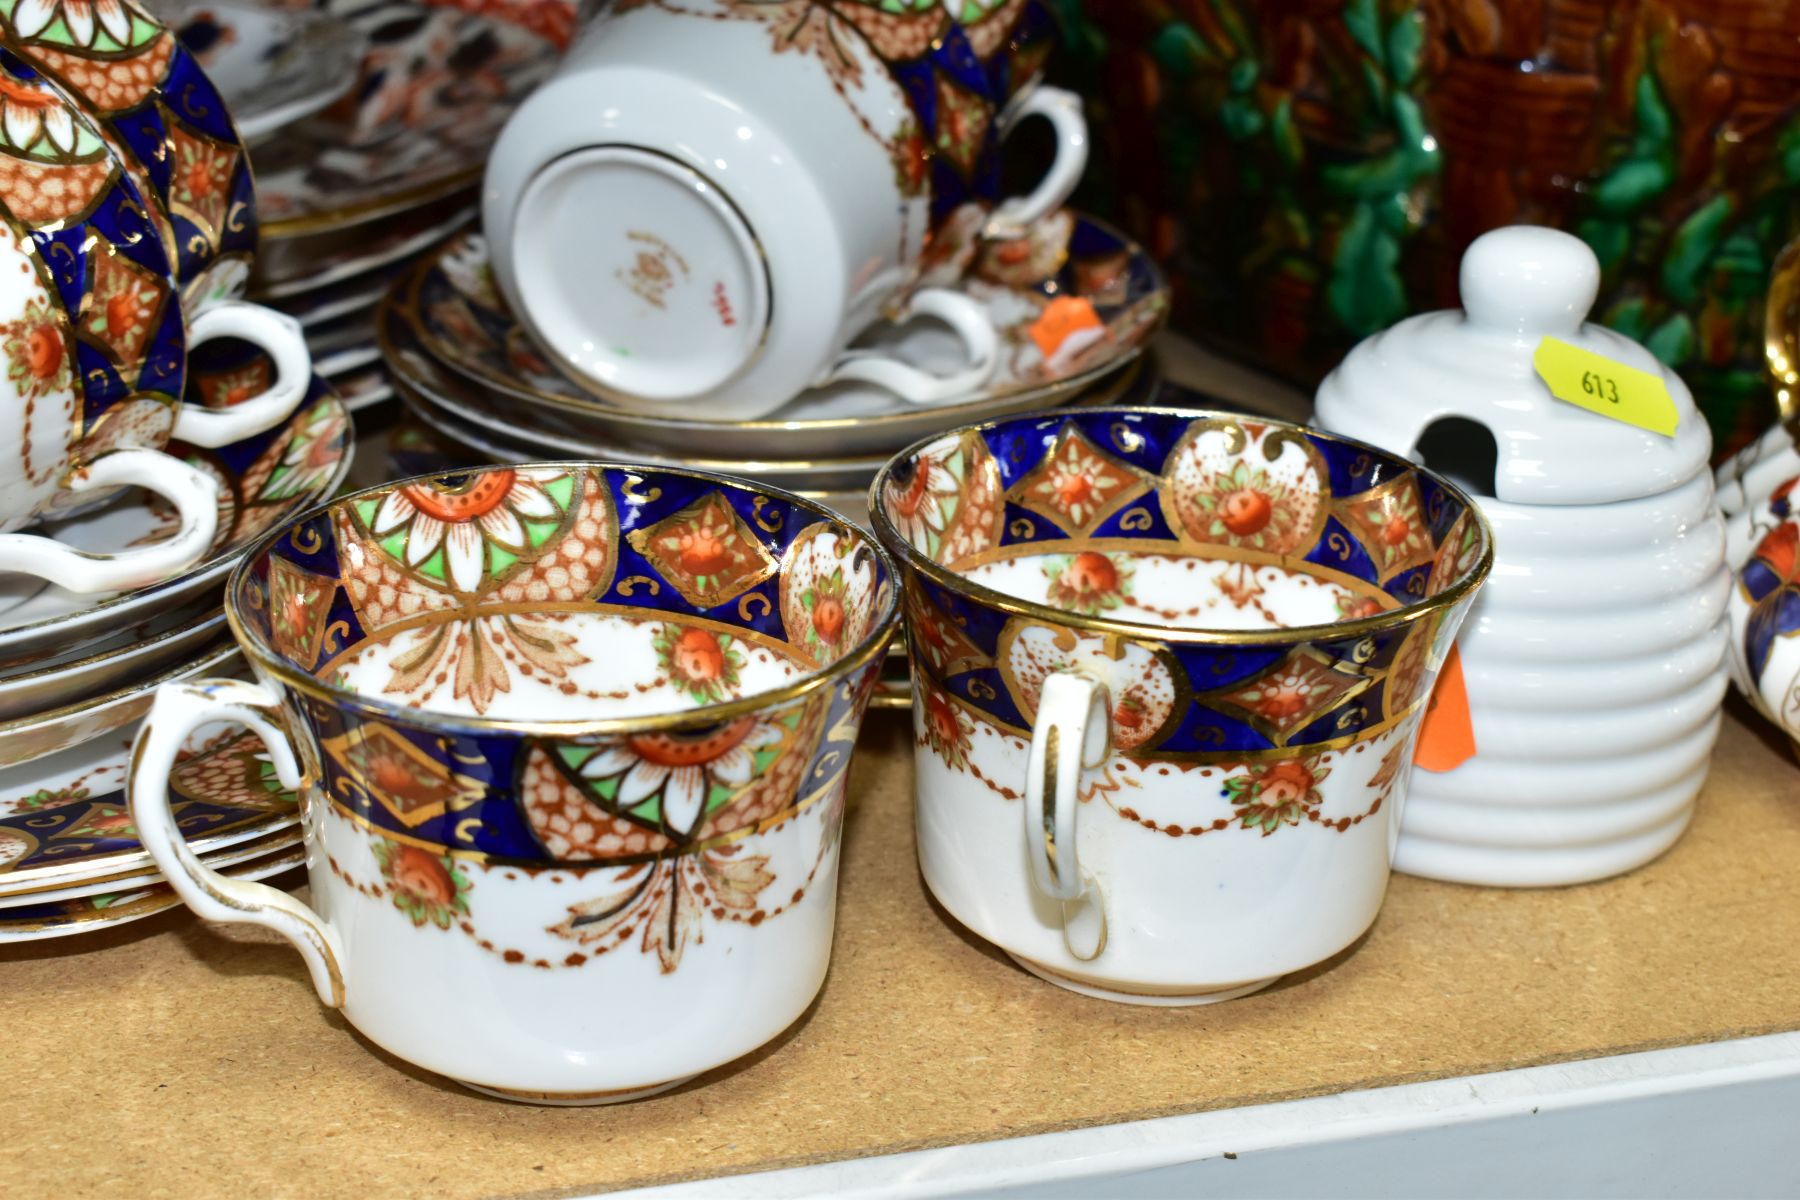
<point x="573" y="742"/>
<point x="1168" y="670"/>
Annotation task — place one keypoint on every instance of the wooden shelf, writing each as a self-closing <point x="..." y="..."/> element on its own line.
<point x="174" y="1057"/>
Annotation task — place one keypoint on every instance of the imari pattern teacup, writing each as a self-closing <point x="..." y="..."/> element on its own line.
<point x="1168" y="671"/>
<point x="572" y="742"/>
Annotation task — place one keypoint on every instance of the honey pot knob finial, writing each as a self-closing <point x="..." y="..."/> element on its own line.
<point x="1529" y="281"/>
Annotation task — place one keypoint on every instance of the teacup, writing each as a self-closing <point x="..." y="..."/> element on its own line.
<point x="1763" y="609"/>
<point x="573" y="741"/>
<point x="95" y="348"/>
<point x="711" y="199"/>
<point x="155" y="105"/>
<point x="173" y="135"/>
<point x="1168" y="671"/>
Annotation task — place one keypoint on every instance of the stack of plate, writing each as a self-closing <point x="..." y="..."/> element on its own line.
<point x="469" y="371"/>
<point x="78" y="672"/>
<point x="366" y="120"/>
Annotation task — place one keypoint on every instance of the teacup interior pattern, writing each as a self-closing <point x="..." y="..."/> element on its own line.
<point x="1171" y="523"/>
<point x="566" y="593"/>
<point x="520" y="592"/>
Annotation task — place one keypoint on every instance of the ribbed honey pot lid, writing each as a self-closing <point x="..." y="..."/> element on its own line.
<point x="1519" y="285"/>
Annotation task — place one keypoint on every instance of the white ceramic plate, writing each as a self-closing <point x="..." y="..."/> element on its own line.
<point x="26" y="738"/>
<point x="521" y="443"/>
<point x="68" y="683"/>
<point x="434" y="86"/>
<point x="285" y="269"/>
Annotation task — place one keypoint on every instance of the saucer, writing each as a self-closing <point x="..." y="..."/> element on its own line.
<point x="290" y="267"/>
<point x="120" y="886"/>
<point x="26" y="738"/>
<point x="323" y="305"/>
<point x="263" y="480"/>
<point x="271" y="67"/>
<point x="1074" y="287"/>
<point x="53" y="687"/>
<point x="524" y="444"/>
<point x="365" y="388"/>
<point x="35" y="922"/>
<point x="64" y="818"/>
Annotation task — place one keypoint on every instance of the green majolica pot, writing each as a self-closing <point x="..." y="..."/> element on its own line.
<point x="1314" y="170"/>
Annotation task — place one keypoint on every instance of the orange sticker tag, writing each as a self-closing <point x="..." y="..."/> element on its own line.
<point x="1447" y="738"/>
<point x="1066" y="317"/>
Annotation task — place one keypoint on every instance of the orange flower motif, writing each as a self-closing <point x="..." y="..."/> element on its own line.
<point x="698" y="656"/>
<point x="946" y="729"/>
<point x="699" y="662"/>
<point x="423" y="875"/>
<point x="828" y="618"/>
<point x="1245" y="511"/>
<point x="1088" y="582"/>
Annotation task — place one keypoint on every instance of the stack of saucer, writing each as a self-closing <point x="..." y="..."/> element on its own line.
<point x="469" y="371"/>
<point x="78" y="673"/>
<point x="70" y="858"/>
<point x="377" y="111"/>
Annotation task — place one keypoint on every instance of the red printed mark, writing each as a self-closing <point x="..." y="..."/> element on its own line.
<point x="722" y="305"/>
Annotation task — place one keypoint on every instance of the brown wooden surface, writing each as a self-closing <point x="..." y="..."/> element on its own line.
<point x="171" y="1058"/>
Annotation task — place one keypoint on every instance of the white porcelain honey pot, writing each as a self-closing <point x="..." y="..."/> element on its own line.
<point x="1595" y="658"/>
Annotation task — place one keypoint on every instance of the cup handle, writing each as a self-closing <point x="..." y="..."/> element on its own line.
<point x="194" y="494"/>
<point x="178" y="710"/>
<point x="275" y="333"/>
<point x="1073" y="730"/>
<point x="966" y="318"/>
<point x="1062" y="108"/>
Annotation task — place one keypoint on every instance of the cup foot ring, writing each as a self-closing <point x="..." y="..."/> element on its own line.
<point x="1150" y="999"/>
<point x="575" y="1099"/>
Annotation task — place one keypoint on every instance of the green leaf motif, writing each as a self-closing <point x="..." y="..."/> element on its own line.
<point x="1629" y="317"/>
<point x="1609" y="240"/>
<point x="1691" y="248"/>
<point x="1241" y="119"/>
<point x="1405" y="40"/>
<point x="1632" y="185"/>
<point x="1179" y="50"/>
<point x="1286" y="135"/>
<point x="1365" y="292"/>
<point x="1363" y="20"/>
<point x="1673" y="341"/>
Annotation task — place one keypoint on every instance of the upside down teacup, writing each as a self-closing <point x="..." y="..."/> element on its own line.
<point x="1168" y="671"/>
<point x="572" y="742"/>
<point x="93" y="343"/>
<point x="711" y="199"/>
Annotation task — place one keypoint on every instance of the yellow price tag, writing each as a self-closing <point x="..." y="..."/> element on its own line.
<point x="1602" y="385"/>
